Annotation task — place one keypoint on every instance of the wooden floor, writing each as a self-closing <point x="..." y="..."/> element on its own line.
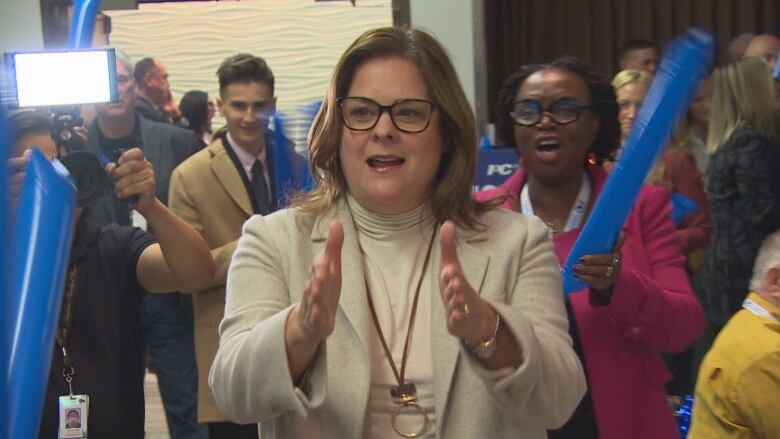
<point x="156" y="427"/>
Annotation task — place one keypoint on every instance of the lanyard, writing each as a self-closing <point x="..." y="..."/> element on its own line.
<point x="405" y="395"/>
<point x="577" y="210"/>
<point x="759" y="310"/>
<point x="400" y="376"/>
<point x="66" y="320"/>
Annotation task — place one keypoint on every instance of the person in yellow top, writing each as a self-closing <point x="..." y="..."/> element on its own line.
<point x="738" y="389"/>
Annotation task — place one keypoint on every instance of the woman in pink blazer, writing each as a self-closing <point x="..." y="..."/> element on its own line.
<point x="562" y="118"/>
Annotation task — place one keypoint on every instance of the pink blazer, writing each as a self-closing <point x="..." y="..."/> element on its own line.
<point x="653" y="309"/>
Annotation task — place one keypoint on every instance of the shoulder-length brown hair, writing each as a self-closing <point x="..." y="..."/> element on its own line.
<point x="451" y="198"/>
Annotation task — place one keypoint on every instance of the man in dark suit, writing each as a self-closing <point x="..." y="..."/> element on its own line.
<point x="167" y="319"/>
<point x="153" y="99"/>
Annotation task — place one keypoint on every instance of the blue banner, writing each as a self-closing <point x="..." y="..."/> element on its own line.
<point x="494" y="166"/>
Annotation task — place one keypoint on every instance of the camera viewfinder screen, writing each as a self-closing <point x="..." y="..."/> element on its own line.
<point x="65" y="78"/>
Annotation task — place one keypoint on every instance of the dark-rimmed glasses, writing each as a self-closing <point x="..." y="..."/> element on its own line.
<point x="528" y="112"/>
<point x="408" y="115"/>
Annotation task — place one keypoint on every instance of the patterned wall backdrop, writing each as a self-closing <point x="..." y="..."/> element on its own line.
<point x="300" y="39"/>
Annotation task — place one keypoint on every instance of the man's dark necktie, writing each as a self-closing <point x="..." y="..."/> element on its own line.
<point x="260" y="188"/>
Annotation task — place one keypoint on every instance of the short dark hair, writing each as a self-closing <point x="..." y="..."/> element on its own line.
<point x="28" y="122"/>
<point x="243" y="67"/>
<point x="602" y="95"/>
<point x="143" y="67"/>
<point x="194" y="107"/>
<point x="635" y="44"/>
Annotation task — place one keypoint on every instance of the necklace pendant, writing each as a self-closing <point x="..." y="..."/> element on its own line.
<point x="404" y="394"/>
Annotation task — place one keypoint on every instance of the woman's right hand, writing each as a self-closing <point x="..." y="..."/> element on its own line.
<point x="315" y="315"/>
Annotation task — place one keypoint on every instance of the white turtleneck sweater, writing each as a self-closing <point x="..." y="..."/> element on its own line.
<point x="394" y="248"/>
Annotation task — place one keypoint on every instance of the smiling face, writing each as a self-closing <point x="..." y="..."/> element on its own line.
<point x="247" y="108"/>
<point x="630" y="98"/>
<point x="387" y="170"/>
<point x="553" y="153"/>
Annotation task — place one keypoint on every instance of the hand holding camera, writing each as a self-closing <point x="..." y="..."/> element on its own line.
<point x="134" y="175"/>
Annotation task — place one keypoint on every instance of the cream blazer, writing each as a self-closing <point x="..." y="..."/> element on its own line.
<point x="511" y="264"/>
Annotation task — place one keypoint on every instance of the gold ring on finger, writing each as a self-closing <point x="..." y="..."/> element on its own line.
<point x="610" y="271"/>
<point x="615" y="259"/>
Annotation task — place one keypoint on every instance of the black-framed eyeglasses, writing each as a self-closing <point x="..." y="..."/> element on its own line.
<point x="408" y="115"/>
<point x="565" y="110"/>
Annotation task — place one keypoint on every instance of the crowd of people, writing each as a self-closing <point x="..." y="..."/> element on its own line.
<point x="391" y="301"/>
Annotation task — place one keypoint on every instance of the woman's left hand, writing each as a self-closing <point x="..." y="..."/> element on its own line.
<point x="468" y="316"/>
<point x="601" y="271"/>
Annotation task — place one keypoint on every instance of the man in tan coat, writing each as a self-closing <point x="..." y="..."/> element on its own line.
<point x="219" y="188"/>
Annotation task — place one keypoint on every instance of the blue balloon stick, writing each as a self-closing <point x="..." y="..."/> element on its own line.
<point x="40" y="245"/>
<point x="83" y="25"/>
<point x="6" y="312"/>
<point x="684" y="64"/>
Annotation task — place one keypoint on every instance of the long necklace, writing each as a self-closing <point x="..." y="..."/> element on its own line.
<point x="405" y="394"/>
<point x="575" y="215"/>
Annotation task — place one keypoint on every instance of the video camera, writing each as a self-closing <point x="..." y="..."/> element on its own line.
<point x="61" y="82"/>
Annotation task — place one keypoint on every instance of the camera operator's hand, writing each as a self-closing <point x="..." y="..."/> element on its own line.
<point x="82" y="134"/>
<point x="134" y="175"/>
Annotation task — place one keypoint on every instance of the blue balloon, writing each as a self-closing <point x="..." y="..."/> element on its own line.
<point x="685" y="63"/>
<point x="6" y="312"/>
<point x="309" y="112"/>
<point x="289" y="174"/>
<point x="682" y="208"/>
<point x="684" y="415"/>
<point x="83" y="24"/>
<point x="776" y="69"/>
<point x="40" y="244"/>
<point x="484" y="142"/>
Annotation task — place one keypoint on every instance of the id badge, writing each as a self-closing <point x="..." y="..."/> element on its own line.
<point x="74" y="410"/>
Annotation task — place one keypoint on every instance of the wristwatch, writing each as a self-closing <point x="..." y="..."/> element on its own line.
<point x="487" y="348"/>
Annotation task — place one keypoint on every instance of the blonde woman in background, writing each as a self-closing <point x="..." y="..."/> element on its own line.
<point x="676" y="169"/>
<point x="743" y="182"/>
<point x="698" y="123"/>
